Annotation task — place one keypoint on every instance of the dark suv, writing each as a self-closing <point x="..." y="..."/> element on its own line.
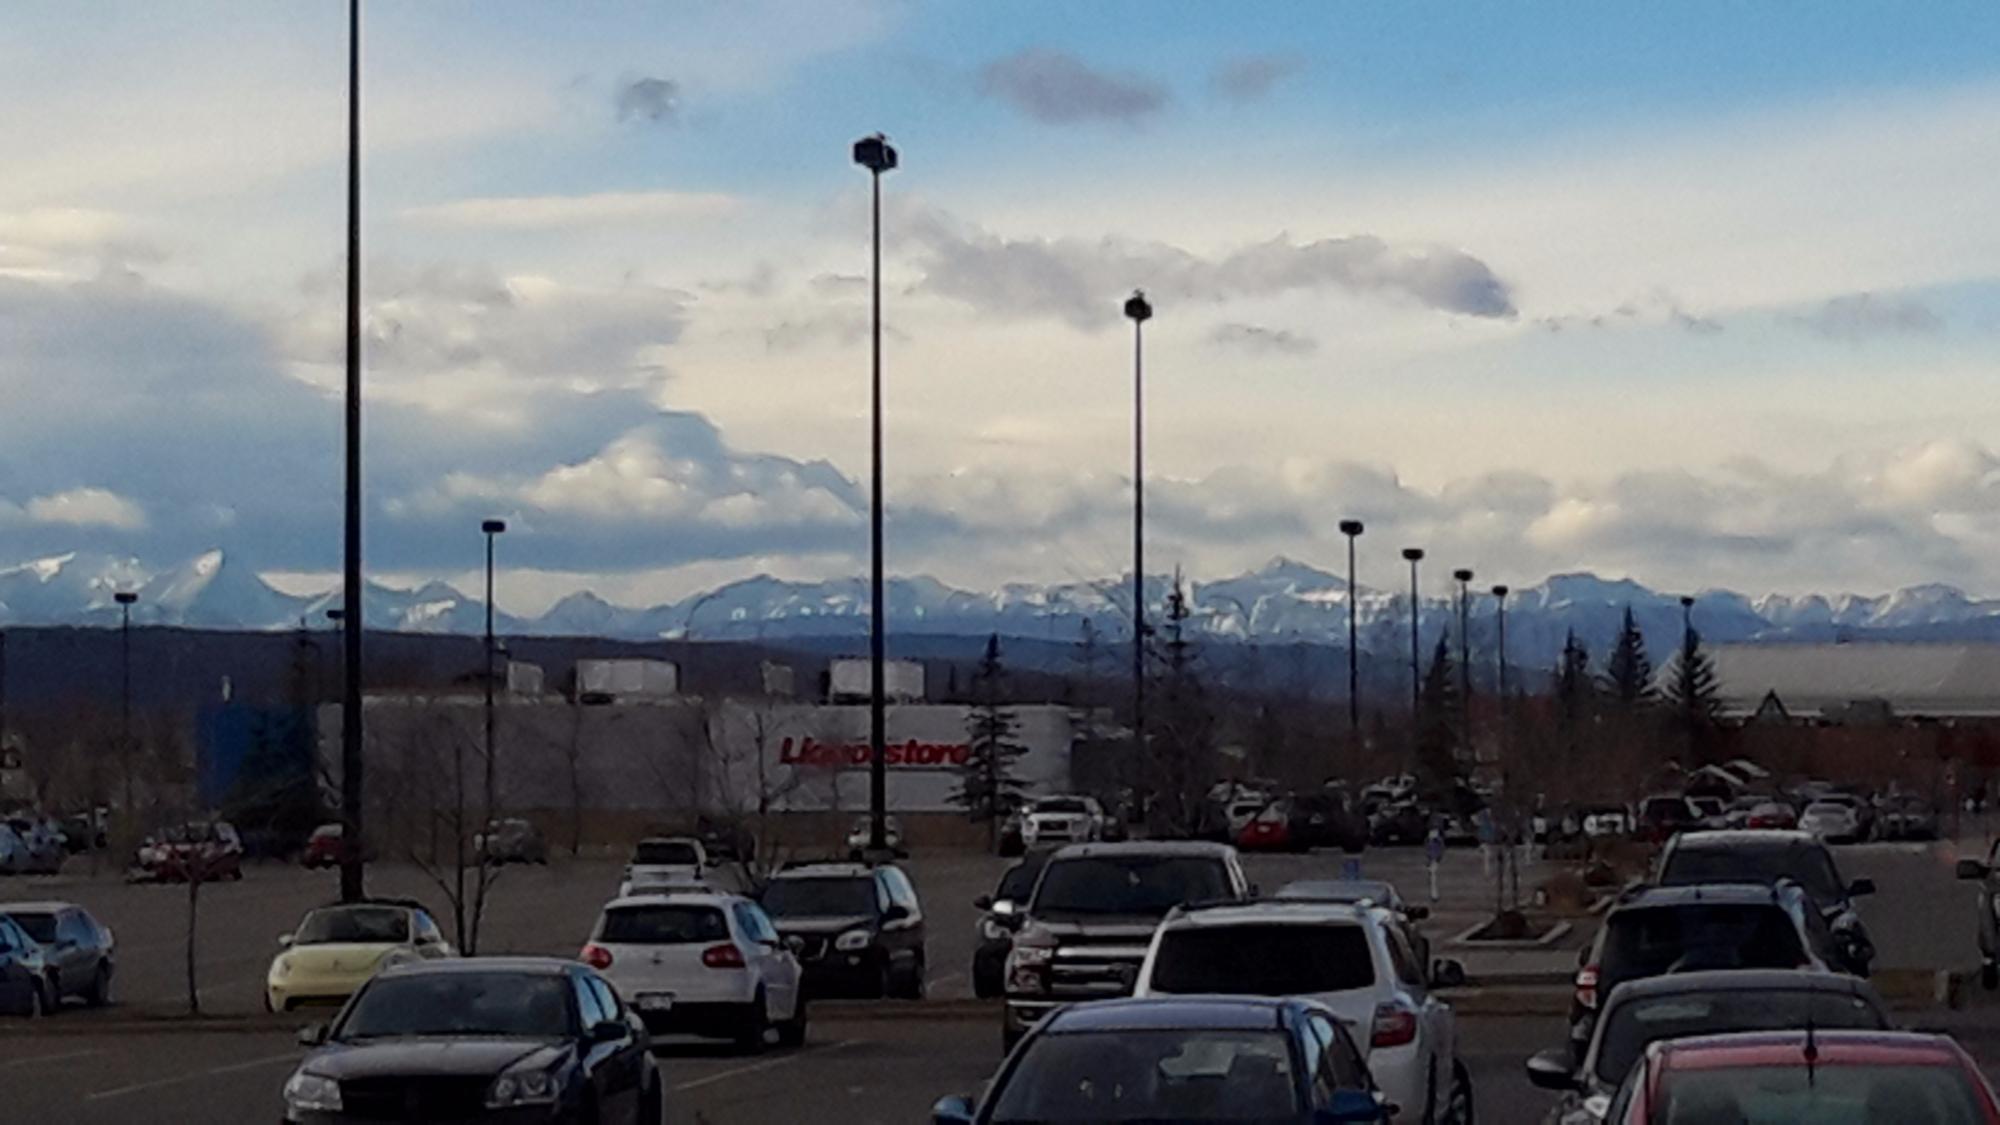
<point x="859" y="930"/>
<point x="1655" y="931"/>
<point x="1769" y="857"/>
<point x="1084" y="933"/>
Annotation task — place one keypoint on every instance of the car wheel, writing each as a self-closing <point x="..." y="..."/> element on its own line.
<point x="1431" y="1094"/>
<point x="100" y="988"/>
<point x="652" y="1105"/>
<point x="792" y="1033"/>
<point x="1989" y="976"/>
<point x="756" y="1021"/>
<point x="1458" y="1111"/>
<point x="918" y="984"/>
<point x="885" y="982"/>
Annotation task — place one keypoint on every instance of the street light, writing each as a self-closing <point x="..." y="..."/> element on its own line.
<point x="1500" y="596"/>
<point x="492" y="530"/>
<point x="1139" y="310"/>
<point x="878" y="156"/>
<point x="1464" y="576"/>
<point x="351" y="761"/>
<point x="125" y="600"/>
<point x="1352" y="529"/>
<point x="1415" y="555"/>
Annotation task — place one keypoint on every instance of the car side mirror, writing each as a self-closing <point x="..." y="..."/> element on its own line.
<point x="610" y="1031"/>
<point x="1355" y="1105"/>
<point x="1971" y="869"/>
<point x="1447" y="973"/>
<point x="1551" y="1070"/>
<point x="795" y="943"/>
<point x="312" y="1035"/>
<point x="287" y="939"/>
<point x="983" y="902"/>
<point x="896" y="913"/>
<point x="1417" y="913"/>
<point x="952" y="1111"/>
<point x="1861" y="887"/>
<point x="1005" y="908"/>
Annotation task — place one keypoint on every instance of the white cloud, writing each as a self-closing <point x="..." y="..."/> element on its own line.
<point x="87" y="507"/>
<point x="544" y="212"/>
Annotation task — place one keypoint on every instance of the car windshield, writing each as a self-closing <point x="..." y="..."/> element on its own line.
<point x="458" y="1003"/>
<point x="1018" y="883"/>
<point x="1671" y="939"/>
<point x="1808" y="866"/>
<point x="1151" y="1076"/>
<point x="842" y="897"/>
<point x="41" y="927"/>
<point x="1060" y="805"/>
<point x="1147" y="885"/>
<point x="1263" y="960"/>
<point x="1630" y="1027"/>
<point x="1823" y="1095"/>
<point x="364" y="924"/>
<point x="666" y="853"/>
<point x="662" y="925"/>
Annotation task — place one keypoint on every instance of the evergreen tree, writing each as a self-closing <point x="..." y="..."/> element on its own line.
<point x="1628" y="675"/>
<point x="988" y="785"/>
<point x="1576" y="694"/>
<point x="1438" y="721"/>
<point x="1181" y="725"/>
<point x="1692" y="693"/>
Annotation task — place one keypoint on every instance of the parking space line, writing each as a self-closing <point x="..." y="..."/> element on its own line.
<point x="66" y="1056"/>
<point x="212" y="1072"/>
<point x="941" y="978"/>
<point x="767" y="1064"/>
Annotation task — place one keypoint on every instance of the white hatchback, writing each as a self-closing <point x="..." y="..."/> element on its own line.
<point x="706" y="964"/>
<point x="1354" y="958"/>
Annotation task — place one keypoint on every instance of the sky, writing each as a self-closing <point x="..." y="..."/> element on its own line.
<point x="1703" y="294"/>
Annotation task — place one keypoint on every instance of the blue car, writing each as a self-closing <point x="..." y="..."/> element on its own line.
<point x="1207" y="1059"/>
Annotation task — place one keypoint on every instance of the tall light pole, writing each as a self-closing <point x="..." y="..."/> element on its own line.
<point x="878" y="156"/>
<point x="1464" y="576"/>
<point x="125" y="599"/>
<point x="1139" y="310"/>
<point x="1352" y="529"/>
<point x="1500" y="640"/>
<point x="492" y="529"/>
<point x="1415" y="555"/>
<point x="351" y="765"/>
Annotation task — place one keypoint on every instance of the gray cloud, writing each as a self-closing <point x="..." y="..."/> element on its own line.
<point x="1081" y="281"/>
<point x="1258" y="340"/>
<point x="842" y="327"/>
<point x="1858" y="316"/>
<point x="1057" y="88"/>
<point x="654" y="101"/>
<point x="1247" y="78"/>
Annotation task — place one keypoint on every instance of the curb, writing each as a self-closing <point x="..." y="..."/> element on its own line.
<point x="1465" y="940"/>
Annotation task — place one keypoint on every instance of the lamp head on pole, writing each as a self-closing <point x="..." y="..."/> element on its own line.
<point x="1500" y="592"/>
<point x="336" y="615"/>
<point x="1413" y="553"/>
<point x="1687" y="601"/>
<point x="1463" y="574"/>
<point x="125" y="597"/>
<point x="1350" y="528"/>
<point x="875" y="153"/>
<point x="1137" y="307"/>
<point x="493" y="527"/>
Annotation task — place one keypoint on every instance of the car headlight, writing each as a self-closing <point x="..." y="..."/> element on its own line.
<point x="521" y="1087"/>
<point x="1026" y="968"/>
<point x="1591" y="1112"/>
<point x="282" y="967"/>
<point x="853" y="941"/>
<point x="306" y="1092"/>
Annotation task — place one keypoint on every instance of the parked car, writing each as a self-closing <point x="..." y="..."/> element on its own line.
<point x="85" y="831"/>
<point x="1216" y="1059"/>
<point x="1606" y="821"/>
<point x="337" y="948"/>
<point x="326" y="847"/>
<point x="994" y="932"/>
<point x="662" y="860"/>
<point x="1862" y="808"/>
<point x="1987" y="873"/>
<point x="1768" y="857"/>
<point x="1376" y="892"/>
<point x="512" y="840"/>
<point x="1094" y="909"/>
<point x="701" y="964"/>
<point x="1302" y="822"/>
<point x="36" y="847"/>
<point x="479" y="1039"/>
<point x="1055" y="821"/>
<point x="858" y="838"/>
<point x="1405" y="823"/>
<point x="1906" y="817"/>
<point x="1771" y="815"/>
<point x="24" y="973"/>
<point x="1354" y="959"/>
<point x="1808" y="1076"/>
<point x="1831" y="821"/>
<point x="208" y="851"/>
<point x="1643" y="1012"/>
<point x="860" y="929"/>
<point x="1656" y="931"/>
<point x="1010" y="841"/>
<point x="1713" y="811"/>
<point x="1663" y="815"/>
<point x="79" y="954"/>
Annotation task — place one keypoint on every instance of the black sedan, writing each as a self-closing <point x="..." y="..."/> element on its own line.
<point x="517" y="1039"/>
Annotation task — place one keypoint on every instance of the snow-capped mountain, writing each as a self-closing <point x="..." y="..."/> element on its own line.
<point x="1283" y="602"/>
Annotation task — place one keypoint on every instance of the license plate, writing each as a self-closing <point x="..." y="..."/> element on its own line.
<point x="656" y="1001"/>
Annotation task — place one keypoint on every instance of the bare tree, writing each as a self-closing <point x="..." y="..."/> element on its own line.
<point x="436" y="810"/>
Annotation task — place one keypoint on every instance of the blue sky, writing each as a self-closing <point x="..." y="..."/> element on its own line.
<point x="1703" y="294"/>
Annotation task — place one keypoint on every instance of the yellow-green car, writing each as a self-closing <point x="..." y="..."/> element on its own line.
<point x="337" y="948"/>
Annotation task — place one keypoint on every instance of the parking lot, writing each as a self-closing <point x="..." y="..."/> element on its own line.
<point x="864" y="1063"/>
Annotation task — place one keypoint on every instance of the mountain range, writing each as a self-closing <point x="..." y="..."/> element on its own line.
<point x="1283" y="602"/>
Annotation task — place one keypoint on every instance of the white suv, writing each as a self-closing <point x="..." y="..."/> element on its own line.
<point x="1352" y="957"/>
<point x="1055" y="821"/>
<point x="700" y="964"/>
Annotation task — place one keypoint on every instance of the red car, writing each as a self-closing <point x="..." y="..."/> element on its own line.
<point x="1772" y="814"/>
<point x="1268" y="831"/>
<point x="326" y="847"/>
<point x="1860" y="1076"/>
